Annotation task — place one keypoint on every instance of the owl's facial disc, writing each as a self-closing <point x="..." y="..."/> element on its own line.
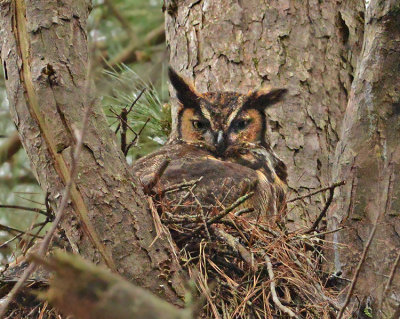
<point x="193" y="127"/>
<point x="247" y="127"/>
<point x="222" y="121"/>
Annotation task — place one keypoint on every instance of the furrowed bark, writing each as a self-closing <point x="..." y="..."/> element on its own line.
<point x="368" y="157"/>
<point x="309" y="47"/>
<point x="45" y="55"/>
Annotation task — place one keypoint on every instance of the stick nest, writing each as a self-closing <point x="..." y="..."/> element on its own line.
<point x="246" y="266"/>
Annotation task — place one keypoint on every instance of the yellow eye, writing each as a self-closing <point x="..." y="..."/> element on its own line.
<point x="199" y="125"/>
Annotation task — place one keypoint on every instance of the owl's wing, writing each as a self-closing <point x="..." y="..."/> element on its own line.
<point x="219" y="183"/>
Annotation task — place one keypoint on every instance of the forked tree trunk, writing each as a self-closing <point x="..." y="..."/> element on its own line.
<point x="368" y="157"/>
<point x="44" y="53"/>
<point x="313" y="49"/>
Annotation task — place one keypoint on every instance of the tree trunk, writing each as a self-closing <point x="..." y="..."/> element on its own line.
<point x="45" y="57"/>
<point x="313" y="48"/>
<point x="308" y="47"/>
<point x="368" y="157"/>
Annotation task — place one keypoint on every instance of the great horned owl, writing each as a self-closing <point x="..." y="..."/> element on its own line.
<point x="221" y="138"/>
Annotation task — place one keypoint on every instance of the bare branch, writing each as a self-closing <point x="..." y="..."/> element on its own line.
<point x="333" y="186"/>
<point x="273" y="290"/>
<point x="323" y="212"/>
<point x="129" y="54"/>
<point x="31" y="209"/>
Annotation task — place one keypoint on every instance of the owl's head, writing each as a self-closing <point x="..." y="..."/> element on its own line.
<point x="222" y="120"/>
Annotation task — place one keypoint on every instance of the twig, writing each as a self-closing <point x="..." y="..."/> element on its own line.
<point x="41" y="226"/>
<point x="302" y="237"/>
<point x="136" y="137"/>
<point x="269" y="231"/>
<point x="124" y="22"/>
<point x="122" y="120"/>
<point x="180" y="219"/>
<point x="273" y="291"/>
<point x="323" y="212"/>
<point x="11" y="240"/>
<point x="128" y="54"/>
<point x="202" y="216"/>
<point x="119" y="116"/>
<point x="333" y="186"/>
<point x="31" y="209"/>
<point x="124" y="128"/>
<point x="180" y="186"/>
<point x="244" y="211"/>
<point x="236" y="246"/>
<point x="225" y="212"/>
<point x="11" y="230"/>
<point x="137" y="99"/>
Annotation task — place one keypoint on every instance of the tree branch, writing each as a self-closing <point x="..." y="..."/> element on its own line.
<point x="87" y="291"/>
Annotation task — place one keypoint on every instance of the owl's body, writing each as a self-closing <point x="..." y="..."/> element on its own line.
<point x="218" y="183"/>
<point x="221" y="137"/>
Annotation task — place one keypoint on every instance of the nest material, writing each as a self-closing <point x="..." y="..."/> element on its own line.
<point x="248" y="267"/>
<point x="243" y="266"/>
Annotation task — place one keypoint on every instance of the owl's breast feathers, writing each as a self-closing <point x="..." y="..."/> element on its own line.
<point x="220" y="182"/>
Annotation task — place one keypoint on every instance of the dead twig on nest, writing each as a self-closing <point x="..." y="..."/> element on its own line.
<point x="333" y="186"/>
<point x="233" y="242"/>
<point x="225" y="212"/>
<point x="244" y="211"/>
<point x="273" y="290"/>
<point x="181" y="186"/>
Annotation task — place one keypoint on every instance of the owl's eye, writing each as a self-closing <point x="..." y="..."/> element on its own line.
<point x="199" y="125"/>
<point x="241" y="124"/>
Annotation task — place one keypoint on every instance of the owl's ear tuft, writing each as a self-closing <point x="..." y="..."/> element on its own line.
<point x="185" y="93"/>
<point x="262" y="99"/>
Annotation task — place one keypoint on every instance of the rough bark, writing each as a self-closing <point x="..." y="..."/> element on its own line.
<point x="310" y="47"/>
<point x="45" y="57"/>
<point x="368" y="157"/>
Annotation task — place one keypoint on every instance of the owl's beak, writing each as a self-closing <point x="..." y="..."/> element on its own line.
<point x="220" y="143"/>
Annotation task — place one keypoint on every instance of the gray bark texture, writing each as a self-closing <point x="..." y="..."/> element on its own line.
<point x="44" y="52"/>
<point x="368" y="158"/>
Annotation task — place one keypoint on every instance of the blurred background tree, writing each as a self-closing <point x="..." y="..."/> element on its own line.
<point x="129" y="40"/>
